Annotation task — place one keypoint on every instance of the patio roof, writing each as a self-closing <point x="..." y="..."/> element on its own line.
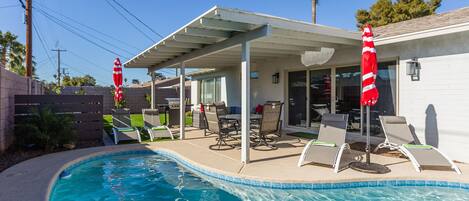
<point x="213" y="40"/>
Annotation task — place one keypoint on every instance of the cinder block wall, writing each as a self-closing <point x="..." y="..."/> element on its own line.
<point x="11" y="84"/>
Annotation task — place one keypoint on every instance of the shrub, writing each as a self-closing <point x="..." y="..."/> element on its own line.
<point x="45" y="129"/>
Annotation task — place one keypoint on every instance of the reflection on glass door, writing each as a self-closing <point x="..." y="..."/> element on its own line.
<point x="348" y="87"/>
<point x="320" y="95"/>
<point x="297" y="98"/>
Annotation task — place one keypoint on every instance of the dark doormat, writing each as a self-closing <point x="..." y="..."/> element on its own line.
<point x="304" y="135"/>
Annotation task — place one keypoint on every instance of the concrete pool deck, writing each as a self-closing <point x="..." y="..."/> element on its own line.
<point x="33" y="179"/>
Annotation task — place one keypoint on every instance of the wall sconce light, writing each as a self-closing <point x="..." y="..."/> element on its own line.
<point x="413" y="69"/>
<point x="275" y="78"/>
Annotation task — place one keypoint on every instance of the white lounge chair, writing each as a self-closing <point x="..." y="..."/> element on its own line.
<point x="122" y="129"/>
<point x="399" y="137"/>
<point x="330" y="145"/>
<point x="151" y="121"/>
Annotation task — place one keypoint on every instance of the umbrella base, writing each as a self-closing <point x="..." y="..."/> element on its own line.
<point x="371" y="168"/>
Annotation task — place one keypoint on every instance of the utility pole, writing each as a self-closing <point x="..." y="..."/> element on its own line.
<point x="58" y="50"/>
<point x="29" y="38"/>
<point x="313" y="10"/>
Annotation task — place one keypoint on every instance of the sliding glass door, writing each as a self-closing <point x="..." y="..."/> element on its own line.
<point x="320" y="95"/>
<point x="348" y="88"/>
<point x="308" y="102"/>
<point x="297" y="98"/>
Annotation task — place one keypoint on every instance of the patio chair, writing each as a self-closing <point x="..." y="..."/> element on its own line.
<point x="399" y="137"/>
<point x="279" y="133"/>
<point x="122" y="129"/>
<point x="215" y="125"/>
<point x="222" y="110"/>
<point x="330" y="145"/>
<point x="268" y="124"/>
<point x="151" y="122"/>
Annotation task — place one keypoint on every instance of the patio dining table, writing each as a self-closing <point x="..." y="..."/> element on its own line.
<point x="238" y="117"/>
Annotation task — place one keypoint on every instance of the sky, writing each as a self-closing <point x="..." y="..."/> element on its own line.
<point x="163" y="16"/>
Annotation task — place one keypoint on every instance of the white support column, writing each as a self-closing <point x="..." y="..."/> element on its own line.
<point x="245" y="103"/>
<point x="182" y="101"/>
<point x="153" y="92"/>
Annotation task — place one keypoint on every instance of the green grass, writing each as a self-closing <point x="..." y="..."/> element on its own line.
<point x="137" y="121"/>
<point x="304" y="135"/>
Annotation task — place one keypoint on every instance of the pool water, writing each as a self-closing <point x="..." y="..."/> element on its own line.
<point x="156" y="177"/>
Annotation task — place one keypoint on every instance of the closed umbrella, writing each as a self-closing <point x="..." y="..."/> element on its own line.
<point x="117" y="77"/>
<point x="369" y="96"/>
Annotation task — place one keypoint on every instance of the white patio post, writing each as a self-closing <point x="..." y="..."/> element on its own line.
<point x="245" y="104"/>
<point x="153" y="92"/>
<point x="182" y="101"/>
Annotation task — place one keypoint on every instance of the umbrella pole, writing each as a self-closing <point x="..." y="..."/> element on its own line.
<point x="368" y="134"/>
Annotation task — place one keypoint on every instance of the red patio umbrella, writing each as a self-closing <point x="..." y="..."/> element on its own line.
<point x="370" y="94"/>
<point x="369" y="97"/>
<point x="117" y="77"/>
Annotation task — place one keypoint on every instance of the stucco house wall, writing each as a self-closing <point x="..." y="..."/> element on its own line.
<point x="436" y="106"/>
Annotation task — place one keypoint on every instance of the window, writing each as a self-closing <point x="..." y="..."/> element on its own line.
<point x="210" y="90"/>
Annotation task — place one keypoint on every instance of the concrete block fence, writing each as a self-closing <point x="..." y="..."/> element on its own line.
<point x="12" y="84"/>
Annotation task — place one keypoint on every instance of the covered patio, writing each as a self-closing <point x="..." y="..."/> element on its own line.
<point x="226" y="38"/>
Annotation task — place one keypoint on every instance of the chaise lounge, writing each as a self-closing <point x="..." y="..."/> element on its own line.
<point x="399" y="137"/>
<point x="151" y="122"/>
<point x="330" y="145"/>
<point x="122" y="129"/>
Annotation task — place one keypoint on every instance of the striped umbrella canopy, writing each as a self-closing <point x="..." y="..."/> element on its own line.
<point x="117" y="77"/>
<point x="370" y="94"/>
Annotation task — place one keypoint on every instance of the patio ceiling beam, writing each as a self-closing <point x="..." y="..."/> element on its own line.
<point x="291" y="41"/>
<point x="181" y="44"/>
<point x="172" y="49"/>
<point x="236" y="40"/>
<point x="223" y="25"/>
<point x="193" y="31"/>
<point x="194" y="39"/>
<point x="275" y="46"/>
<point x="277" y="32"/>
<point x="258" y="53"/>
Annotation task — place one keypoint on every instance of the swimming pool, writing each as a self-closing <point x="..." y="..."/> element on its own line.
<point x="150" y="176"/>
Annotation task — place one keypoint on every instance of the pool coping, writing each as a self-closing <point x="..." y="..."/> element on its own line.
<point x="275" y="184"/>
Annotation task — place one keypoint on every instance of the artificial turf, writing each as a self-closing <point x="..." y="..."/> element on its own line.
<point x="137" y="122"/>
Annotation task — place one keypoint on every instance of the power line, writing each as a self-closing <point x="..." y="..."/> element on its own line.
<point x="89" y="27"/>
<point x="44" y="47"/>
<point x="89" y="34"/>
<point x="131" y="14"/>
<point x="82" y="73"/>
<point x="90" y="62"/>
<point x="130" y="22"/>
<point x="57" y="21"/>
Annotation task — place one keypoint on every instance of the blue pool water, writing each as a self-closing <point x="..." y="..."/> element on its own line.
<point x="156" y="177"/>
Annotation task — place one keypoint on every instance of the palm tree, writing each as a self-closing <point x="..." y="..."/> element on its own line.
<point x="314" y="4"/>
<point x="12" y="53"/>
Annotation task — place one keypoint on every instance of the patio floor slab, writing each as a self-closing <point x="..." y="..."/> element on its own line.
<point x="33" y="179"/>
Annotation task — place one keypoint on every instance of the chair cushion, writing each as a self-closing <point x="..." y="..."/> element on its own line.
<point x="327" y="144"/>
<point x="417" y="146"/>
<point x="333" y="117"/>
<point x="158" y="128"/>
<point x="126" y="129"/>
<point x="395" y="120"/>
